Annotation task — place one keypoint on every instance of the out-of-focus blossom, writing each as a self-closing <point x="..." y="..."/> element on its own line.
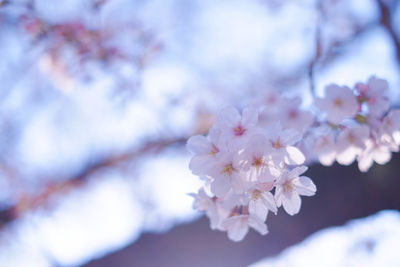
<point x="339" y="103"/>
<point x="350" y="143"/>
<point x="373" y="95"/>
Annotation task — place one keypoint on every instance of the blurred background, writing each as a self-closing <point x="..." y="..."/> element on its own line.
<point x="98" y="97"/>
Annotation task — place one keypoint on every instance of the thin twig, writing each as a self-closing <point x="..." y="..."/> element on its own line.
<point x="386" y="22"/>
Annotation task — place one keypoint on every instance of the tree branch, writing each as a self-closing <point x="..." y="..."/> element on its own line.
<point x="386" y="22"/>
<point x="64" y="186"/>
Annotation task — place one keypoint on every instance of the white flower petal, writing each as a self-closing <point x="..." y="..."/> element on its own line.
<point x="229" y="117"/>
<point x="305" y="186"/>
<point x="212" y="214"/>
<point x="258" y="225"/>
<point x="257" y="208"/>
<point x="199" y="144"/>
<point x="269" y="201"/>
<point x="291" y="203"/>
<point x="290" y="137"/>
<point x="249" y="117"/>
<point x="237" y="227"/>
<point x="220" y="186"/>
<point x="382" y="156"/>
<point x="278" y="196"/>
<point x="295" y="156"/>
<point x="347" y="156"/>
<point x="327" y="158"/>
<point x="238" y="183"/>
<point x="365" y="162"/>
<point x="200" y="164"/>
<point x="297" y="171"/>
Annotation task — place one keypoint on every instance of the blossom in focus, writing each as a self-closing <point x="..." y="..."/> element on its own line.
<point x="290" y="186"/>
<point x="236" y="127"/>
<point x="237" y="226"/>
<point x="204" y="149"/>
<point x="212" y="206"/>
<point x="262" y="200"/>
<point x="256" y="159"/>
<point x="283" y="142"/>
<point x="226" y="174"/>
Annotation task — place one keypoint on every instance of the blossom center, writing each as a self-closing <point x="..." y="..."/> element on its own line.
<point x="214" y="150"/>
<point x="258" y="162"/>
<point x="372" y="100"/>
<point x="228" y="169"/>
<point x="351" y="138"/>
<point x="256" y="194"/>
<point x="288" y="186"/>
<point x="338" y="102"/>
<point x="239" y="131"/>
<point x="277" y="144"/>
<point x="293" y="114"/>
<point x="271" y="99"/>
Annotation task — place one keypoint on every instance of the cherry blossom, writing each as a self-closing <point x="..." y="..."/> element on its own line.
<point x="350" y="143"/>
<point x="372" y="94"/>
<point x="205" y="149"/>
<point x="290" y="186"/>
<point x="282" y="142"/>
<point x="293" y="117"/>
<point x="339" y="103"/>
<point x="256" y="158"/>
<point x="253" y="164"/>
<point x="237" y="226"/>
<point x="325" y="149"/>
<point x="213" y="207"/>
<point x="237" y="127"/>
<point x="226" y="175"/>
<point x="374" y="151"/>
<point x="390" y="129"/>
<point x="261" y="200"/>
<point x="269" y="104"/>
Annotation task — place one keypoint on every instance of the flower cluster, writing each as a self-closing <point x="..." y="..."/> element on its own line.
<point x="252" y="162"/>
<point x="91" y="44"/>
<point x="358" y="126"/>
<point x="248" y="170"/>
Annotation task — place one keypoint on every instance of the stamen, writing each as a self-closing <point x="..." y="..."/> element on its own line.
<point x="288" y="186"/>
<point x="228" y="169"/>
<point x="239" y="131"/>
<point x="338" y="102"/>
<point x="277" y="144"/>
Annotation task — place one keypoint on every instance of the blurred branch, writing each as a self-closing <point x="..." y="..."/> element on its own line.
<point x="315" y="60"/>
<point x="324" y="57"/>
<point x="63" y="186"/>
<point x="318" y="49"/>
<point x="386" y="22"/>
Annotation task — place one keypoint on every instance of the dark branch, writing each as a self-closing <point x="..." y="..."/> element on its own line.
<point x="386" y="22"/>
